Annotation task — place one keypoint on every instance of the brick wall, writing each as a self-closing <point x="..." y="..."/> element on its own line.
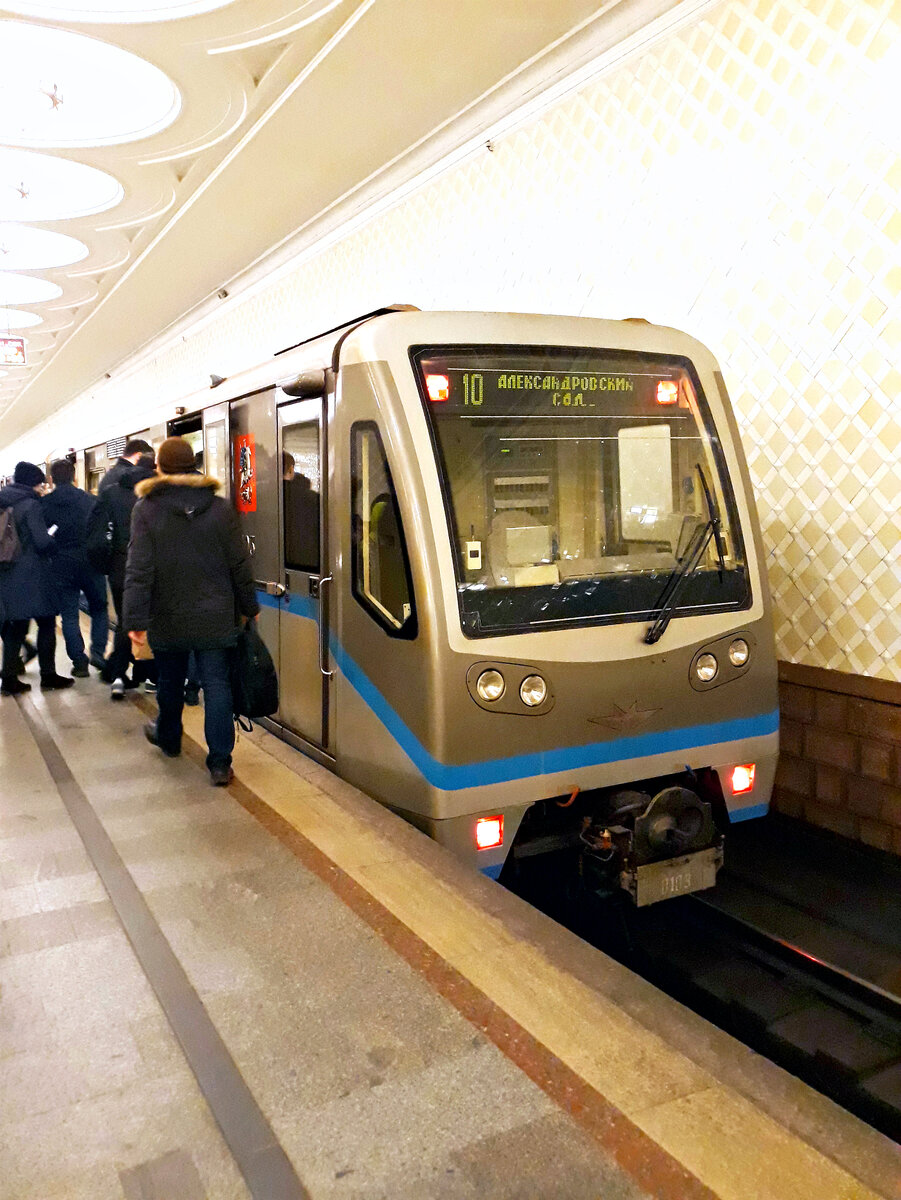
<point x="840" y="760"/>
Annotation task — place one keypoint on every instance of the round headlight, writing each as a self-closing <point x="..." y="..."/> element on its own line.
<point x="533" y="691"/>
<point x="490" y="685"/>
<point x="706" y="668"/>
<point x="739" y="652"/>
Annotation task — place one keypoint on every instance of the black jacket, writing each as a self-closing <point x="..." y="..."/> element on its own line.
<point x="113" y="475"/>
<point x="27" y="586"/>
<point x="114" y="506"/>
<point x="70" y="509"/>
<point x="188" y="579"/>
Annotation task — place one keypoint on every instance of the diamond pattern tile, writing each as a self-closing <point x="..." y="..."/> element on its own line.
<point x="740" y="180"/>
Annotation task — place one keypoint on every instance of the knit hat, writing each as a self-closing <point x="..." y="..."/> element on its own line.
<point x="28" y="475"/>
<point x="175" y="457"/>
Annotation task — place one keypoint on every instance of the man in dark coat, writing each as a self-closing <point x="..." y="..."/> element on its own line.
<point x="112" y="517"/>
<point x="69" y="508"/>
<point x="188" y="583"/>
<point x="129" y="457"/>
<point x="27" y="590"/>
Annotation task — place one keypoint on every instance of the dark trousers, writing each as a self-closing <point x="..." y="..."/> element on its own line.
<point x="214" y="668"/>
<point x="14" y="632"/>
<point x="117" y="663"/>
<point x="93" y="584"/>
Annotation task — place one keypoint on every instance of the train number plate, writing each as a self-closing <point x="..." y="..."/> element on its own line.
<point x="676" y="876"/>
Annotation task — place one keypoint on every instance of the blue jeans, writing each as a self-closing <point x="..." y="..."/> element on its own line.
<point x="218" y="717"/>
<point x="69" y="589"/>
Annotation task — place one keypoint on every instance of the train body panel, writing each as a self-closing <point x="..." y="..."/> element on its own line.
<point x="535" y="604"/>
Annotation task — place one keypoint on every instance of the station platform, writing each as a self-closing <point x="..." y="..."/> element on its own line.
<point x="281" y="990"/>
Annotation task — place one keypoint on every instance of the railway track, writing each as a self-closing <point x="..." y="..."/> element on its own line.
<point x="839" y="1033"/>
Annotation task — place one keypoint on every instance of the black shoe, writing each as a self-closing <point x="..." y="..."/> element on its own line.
<point x="99" y="664"/>
<point x="221" y="776"/>
<point x="55" y="683"/>
<point x="80" y="670"/>
<point x="14" y="687"/>
<point x="150" y="735"/>
<point x="192" y="696"/>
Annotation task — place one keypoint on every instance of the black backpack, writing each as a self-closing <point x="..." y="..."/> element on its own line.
<point x="10" y="546"/>
<point x="99" y="540"/>
<point x="254" y="681"/>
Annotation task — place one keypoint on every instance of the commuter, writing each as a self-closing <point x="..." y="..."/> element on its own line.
<point x="108" y="535"/>
<point x="69" y="509"/>
<point x="129" y="457"/>
<point x="188" y="583"/>
<point x="27" y="590"/>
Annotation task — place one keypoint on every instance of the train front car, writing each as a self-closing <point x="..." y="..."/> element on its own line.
<point x="584" y="659"/>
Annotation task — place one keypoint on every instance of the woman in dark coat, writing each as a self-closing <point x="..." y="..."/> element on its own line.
<point x="188" y="583"/>
<point x="27" y="588"/>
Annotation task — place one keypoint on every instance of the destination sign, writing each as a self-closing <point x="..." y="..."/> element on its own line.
<point x="496" y="391"/>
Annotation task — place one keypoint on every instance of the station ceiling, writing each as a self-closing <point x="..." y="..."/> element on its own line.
<point x="171" y="144"/>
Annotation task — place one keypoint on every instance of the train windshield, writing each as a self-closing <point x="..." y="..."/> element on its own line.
<point x="574" y="485"/>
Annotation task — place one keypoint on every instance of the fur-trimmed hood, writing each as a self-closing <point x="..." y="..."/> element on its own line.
<point x="158" y="484"/>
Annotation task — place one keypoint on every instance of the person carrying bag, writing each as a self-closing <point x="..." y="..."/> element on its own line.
<point x="188" y="584"/>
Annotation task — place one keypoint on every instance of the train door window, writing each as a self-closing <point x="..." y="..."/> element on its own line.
<point x="300" y="496"/>
<point x="381" y="572"/>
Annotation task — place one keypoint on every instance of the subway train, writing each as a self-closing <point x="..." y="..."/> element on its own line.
<point x="512" y="580"/>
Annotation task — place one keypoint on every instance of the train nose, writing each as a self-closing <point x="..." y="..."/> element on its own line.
<point x="676" y="821"/>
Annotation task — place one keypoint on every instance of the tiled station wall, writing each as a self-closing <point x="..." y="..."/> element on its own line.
<point x="840" y="761"/>
<point x="738" y="179"/>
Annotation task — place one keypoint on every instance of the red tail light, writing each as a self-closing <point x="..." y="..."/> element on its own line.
<point x="742" y="779"/>
<point x="490" y="832"/>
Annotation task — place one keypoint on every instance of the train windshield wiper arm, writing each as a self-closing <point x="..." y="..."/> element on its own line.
<point x="694" y="551"/>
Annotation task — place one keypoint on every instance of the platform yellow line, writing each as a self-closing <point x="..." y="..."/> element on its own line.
<point x="722" y="1138"/>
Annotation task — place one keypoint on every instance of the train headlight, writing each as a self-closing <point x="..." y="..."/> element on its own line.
<point x="739" y="652"/>
<point x="706" y="668"/>
<point x="533" y="691"/>
<point x="490" y="685"/>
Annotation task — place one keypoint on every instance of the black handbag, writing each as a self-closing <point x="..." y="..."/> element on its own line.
<point x="254" y="681"/>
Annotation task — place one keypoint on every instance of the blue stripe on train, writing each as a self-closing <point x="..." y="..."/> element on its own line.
<point x="451" y="778"/>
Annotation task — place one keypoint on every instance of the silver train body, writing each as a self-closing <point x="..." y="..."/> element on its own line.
<point x="513" y="583"/>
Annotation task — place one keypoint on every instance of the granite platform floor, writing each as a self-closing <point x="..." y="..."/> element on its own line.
<point x="403" y="1029"/>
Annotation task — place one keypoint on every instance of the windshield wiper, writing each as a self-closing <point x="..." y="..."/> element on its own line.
<point x="694" y="552"/>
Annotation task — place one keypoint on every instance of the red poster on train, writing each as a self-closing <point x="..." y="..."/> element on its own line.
<point x="245" y="473"/>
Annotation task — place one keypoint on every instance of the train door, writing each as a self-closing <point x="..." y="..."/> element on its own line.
<point x="303" y="633"/>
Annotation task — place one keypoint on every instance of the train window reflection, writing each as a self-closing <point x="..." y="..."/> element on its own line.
<point x="381" y="576"/>
<point x="571" y="482"/>
<point x="300" y="496"/>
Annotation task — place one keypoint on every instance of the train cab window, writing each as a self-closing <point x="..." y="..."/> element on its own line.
<point x="381" y="573"/>
<point x="300" y="496"/>
<point x="574" y="480"/>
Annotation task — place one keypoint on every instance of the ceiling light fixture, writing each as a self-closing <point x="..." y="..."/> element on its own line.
<point x="17" y="318"/>
<point x="25" y="248"/>
<point x="114" y="11"/>
<point x="26" y="289"/>
<point x="111" y="95"/>
<point x="56" y="188"/>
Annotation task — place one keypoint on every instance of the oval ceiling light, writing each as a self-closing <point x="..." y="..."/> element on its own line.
<point x="25" y="248"/>
<point x="60" y="89"/>
<point x="37" y="187"/>
<point x="25" y="289"/>
<point x="114" y="11"/>
<point x="16" y="318"/>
